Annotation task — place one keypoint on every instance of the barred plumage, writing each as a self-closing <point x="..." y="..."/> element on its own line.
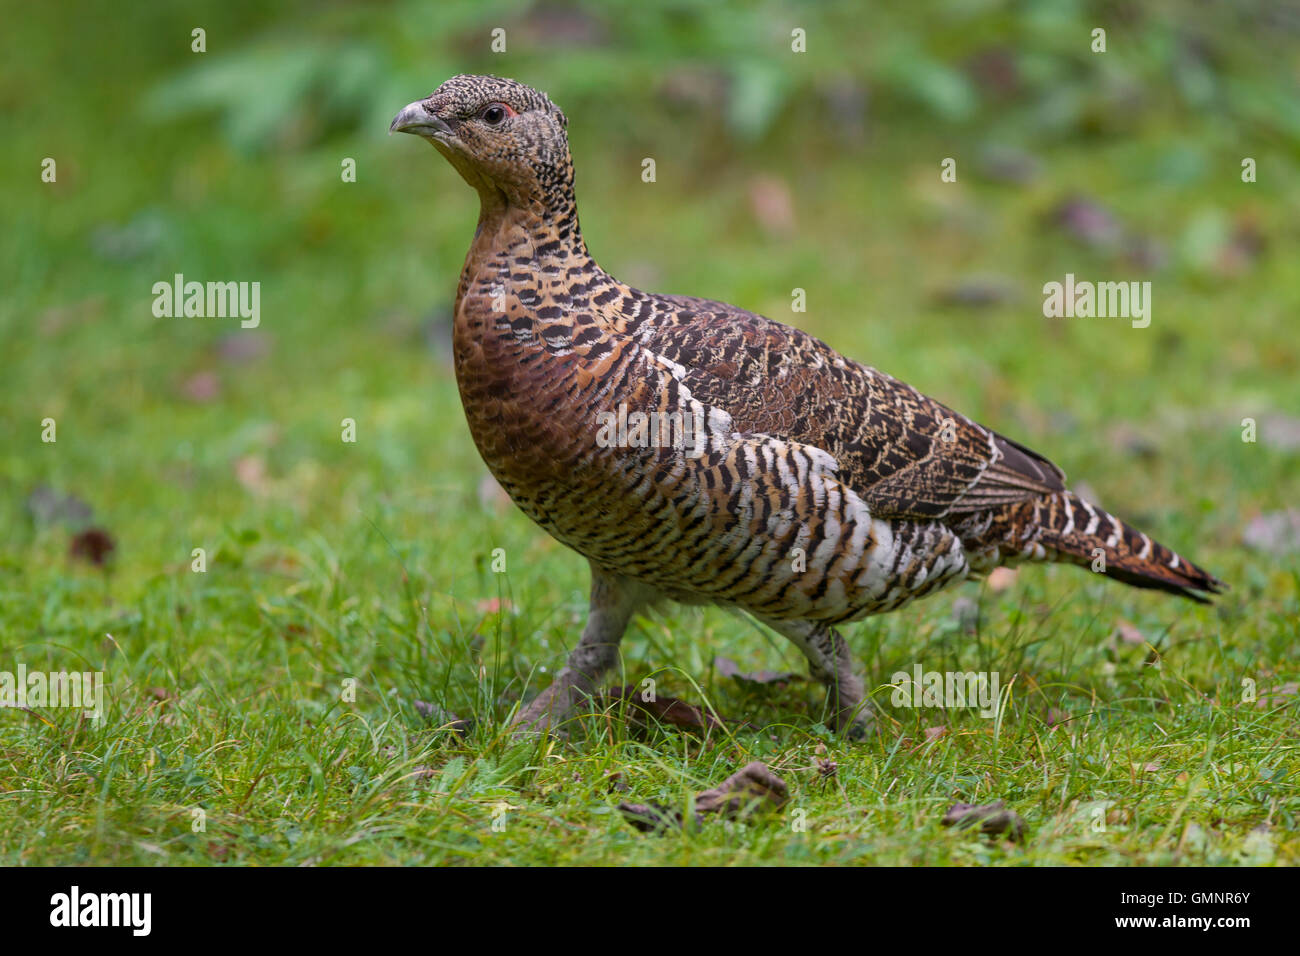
<point x="818" y="490"/>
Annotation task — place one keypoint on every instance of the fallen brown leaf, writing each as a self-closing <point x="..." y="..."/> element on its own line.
<point x="992" y="818"/>
<point x="443" y="718"/>
<point x="671" y="711"/>
<point x="94" y="545"/>
<point x="752" y="788"/>
<point x="729" y="668"/>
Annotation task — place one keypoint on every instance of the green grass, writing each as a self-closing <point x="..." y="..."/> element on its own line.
<point x="372" y="561"/>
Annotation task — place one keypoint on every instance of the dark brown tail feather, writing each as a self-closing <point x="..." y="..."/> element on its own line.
<point x="1075" y="529"/>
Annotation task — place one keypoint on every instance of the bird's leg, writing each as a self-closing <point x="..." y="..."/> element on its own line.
<point x="613" y="602"/>
<point x="831" y="663"/>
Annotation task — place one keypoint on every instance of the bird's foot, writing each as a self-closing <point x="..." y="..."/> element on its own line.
<point x="548" y="711"/>
<point x="858" y="725"/>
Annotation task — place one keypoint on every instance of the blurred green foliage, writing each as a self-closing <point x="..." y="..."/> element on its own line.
<point x="1027" y="68"/>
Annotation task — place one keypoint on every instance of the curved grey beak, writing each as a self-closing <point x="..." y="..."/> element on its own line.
<point x="414" y="118"/>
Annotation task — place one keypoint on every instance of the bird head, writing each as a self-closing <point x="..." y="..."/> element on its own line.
<point x="506" y="139"/>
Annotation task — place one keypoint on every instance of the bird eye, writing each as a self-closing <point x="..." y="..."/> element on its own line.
<point x="495" y="114"/>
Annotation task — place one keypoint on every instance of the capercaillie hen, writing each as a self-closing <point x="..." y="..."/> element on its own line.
<point x="693" y="451"/>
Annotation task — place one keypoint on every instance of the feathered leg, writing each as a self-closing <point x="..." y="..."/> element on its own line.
<point x="614" y="600"/>
<point x="831" y="663"/>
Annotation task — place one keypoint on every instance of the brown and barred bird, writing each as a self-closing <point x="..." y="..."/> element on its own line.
<point x="775" y="475"/>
